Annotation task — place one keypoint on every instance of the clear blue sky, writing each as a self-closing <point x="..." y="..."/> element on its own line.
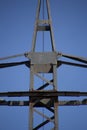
<point x="17" y="18"/>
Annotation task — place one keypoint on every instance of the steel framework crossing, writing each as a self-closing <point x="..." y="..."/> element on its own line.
<point x="41" y="64"/>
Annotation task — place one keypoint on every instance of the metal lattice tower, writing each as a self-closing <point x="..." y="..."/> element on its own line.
<point x="43" y="62"/>
<point x="43" y="65"/>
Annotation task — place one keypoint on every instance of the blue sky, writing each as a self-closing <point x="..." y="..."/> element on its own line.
<point x="17" y="18"/>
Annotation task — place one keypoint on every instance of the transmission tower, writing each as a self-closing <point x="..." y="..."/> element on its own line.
<point x="41" y="64"/>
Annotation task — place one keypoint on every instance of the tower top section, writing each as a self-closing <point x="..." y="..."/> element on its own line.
<point x="44" y="24"/>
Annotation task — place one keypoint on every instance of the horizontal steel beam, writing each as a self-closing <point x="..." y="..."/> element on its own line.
<point x="60" y="103"/>
<point x="27" y="63"/>
<point x="44" y="94"/>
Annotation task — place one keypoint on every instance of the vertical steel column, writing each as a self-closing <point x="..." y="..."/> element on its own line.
<point x="31" y="116"/>
<point x="56" y="99"/>
<point x="36" y="24"/>
<point x="50" y="23"/>
<point x="31" y="104"/>
<point x="31" y="67"/>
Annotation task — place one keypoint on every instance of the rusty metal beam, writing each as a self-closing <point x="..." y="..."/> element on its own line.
<point x="60" y="103"/>
<point x="44" y="94"/>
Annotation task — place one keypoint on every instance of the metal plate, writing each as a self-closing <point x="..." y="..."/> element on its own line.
<point x="43" y="58"/>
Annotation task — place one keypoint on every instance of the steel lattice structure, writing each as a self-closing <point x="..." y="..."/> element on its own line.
<point x="40" y="63"/>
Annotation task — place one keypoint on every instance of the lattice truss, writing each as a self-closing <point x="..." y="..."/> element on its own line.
<point x="42" y="64"/>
